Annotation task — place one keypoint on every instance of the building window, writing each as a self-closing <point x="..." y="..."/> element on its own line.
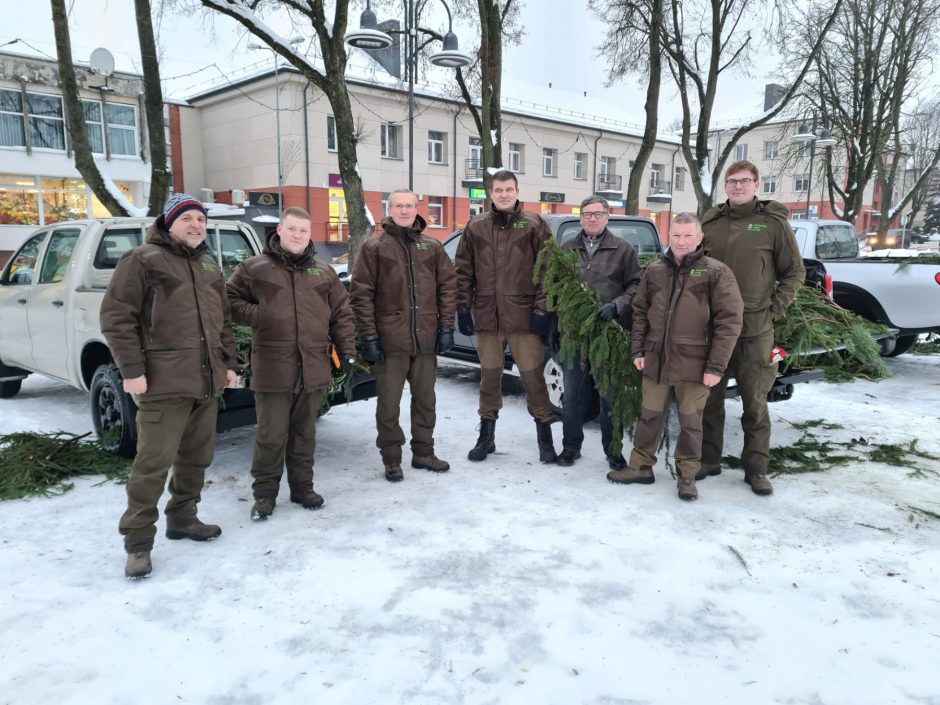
<point x="436" y="211"/>
<point x="391" y="141"/>
<point x="46" y="123"/>
<point x="580" y="159"/>
<point x="549" y="162"/>
<point x="656" y="175"/>
<point x="771" y="150"/>
<point x="740" y="152"/>
<point x="678" y="183"/>
<point x="63" y="199"/>
<point x="768" y="184"/>
<point x="98" y="209"/>
<point x="19" y="204"/>
<point x="332" y="143"/>
<point x="475" y="151"/>
<point x="800" y="182"/>
<point x="436" y="147"/>
<point x="385" y="213"/>
<point x="516" y="159"/>
<point x="11" y="119"/>
<point x="608" y="166"/>
<point x="122" y="129"/>
<point x="95" y="124"/>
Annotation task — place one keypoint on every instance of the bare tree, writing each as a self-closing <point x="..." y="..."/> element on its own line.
<point x="330" y="78"/>
<point x="861" y="89"/>
<point x="498" y="24"/>
<point x="705" y="40"/>
<point x="633" y="47"/>
<point x="100" y="183"/>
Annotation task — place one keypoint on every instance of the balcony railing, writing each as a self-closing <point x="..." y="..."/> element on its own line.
<point x="473" y="169"/>
<point x="660" y="186"/>
<point x="609" y="182"/>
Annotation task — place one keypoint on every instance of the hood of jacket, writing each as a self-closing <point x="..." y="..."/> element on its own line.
<point x="274" y="248"/>
<point x="414" y="232"/>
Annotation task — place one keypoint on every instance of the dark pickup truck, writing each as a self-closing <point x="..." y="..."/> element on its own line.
<point x="641" y="233"/>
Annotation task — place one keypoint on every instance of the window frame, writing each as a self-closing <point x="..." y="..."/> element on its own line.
<point x="390" y="134"/>
<point x="549" y="162"/>
<point x="437" y="141"/>
<point x="580" y="160"/>
<point x="332" y="138"/>
<point x="771" y="150"/>
<point x="516" y="149"/>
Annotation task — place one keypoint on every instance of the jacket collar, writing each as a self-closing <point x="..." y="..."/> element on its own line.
<point x="412" y="233"/>
<point x="504" y="218"/>
<point x="604" y="240"/>
<point x="274" y="248"/>
<point x="689" y="261"/>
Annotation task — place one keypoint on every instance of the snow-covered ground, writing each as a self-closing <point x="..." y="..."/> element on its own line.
<point x="501" y="582"/>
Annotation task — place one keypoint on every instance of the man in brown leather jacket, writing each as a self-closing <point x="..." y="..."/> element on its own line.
<point x="166" y="319"/>
<point x="498" y="301"/>
<point x="754" y="239"/>
<point x="404" y="293"/>
<point x="296" y="307"/>
<point x="686" y="319"/>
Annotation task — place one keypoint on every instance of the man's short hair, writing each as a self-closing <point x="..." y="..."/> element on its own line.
<point x="403" y="190"/>
<point x="595" y="199"/>
<point x="295" y="211"/>
<point x="742" y="165"/>
<point x="506" y="175"/>
<point x="683" y="218"/>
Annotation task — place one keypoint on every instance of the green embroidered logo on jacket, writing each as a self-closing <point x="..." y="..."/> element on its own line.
<point x="519" y="224"/>
<point x="697" y="271"/>
<point x="421" y="245"/>
<point x="756" y="227"/>
<point x="209" y="266"/>
<point x="314" y="270"/>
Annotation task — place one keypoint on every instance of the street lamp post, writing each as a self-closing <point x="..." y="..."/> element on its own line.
<point x="368" y="36"/>
<point x="824" y="140"/>
<point x="277" y="116"/>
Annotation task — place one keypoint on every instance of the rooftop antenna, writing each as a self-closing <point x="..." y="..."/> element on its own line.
<point x="102" y="64"/>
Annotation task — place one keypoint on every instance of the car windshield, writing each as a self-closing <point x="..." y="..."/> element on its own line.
<point x="639" y="234"/>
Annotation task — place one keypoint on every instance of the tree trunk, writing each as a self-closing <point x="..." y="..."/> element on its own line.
<point x="652" y="111"/>
<point x="153" y="104"/>
<point x="75" y="114"/>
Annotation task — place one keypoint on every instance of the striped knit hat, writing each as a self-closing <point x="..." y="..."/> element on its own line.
<point x="177" y="204"/>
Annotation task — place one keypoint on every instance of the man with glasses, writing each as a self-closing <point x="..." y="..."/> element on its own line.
<point x="495" y="260"/>
<point x="403" y="293"/>
<point x="753" y="238"/>
<point x="609" y="265"/>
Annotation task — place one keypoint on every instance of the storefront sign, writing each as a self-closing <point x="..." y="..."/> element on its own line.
<point x="551" y="197"/>
<point x="263" y="198"/>
<point x="477" y="193"/>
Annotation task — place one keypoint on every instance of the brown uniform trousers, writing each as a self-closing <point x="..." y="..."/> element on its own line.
<point x="176" y="432"/>
<point x="390" y="375"/>
<point x="528" y="351"/>
<point x="286" y="435"/>
<point x="690" y="402"/>
<point x="754" y="373"/>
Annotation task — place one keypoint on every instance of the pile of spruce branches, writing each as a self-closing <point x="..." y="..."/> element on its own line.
<point x="41" y="464"/>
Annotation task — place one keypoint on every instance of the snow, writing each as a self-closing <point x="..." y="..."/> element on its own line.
<point x="504" y="581"/>
<point x="118" y="195"/>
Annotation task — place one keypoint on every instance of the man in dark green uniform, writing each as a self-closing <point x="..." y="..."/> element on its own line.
<point x="753" y="238"/>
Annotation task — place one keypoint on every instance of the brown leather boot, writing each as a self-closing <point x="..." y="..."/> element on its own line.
<point x="393" y="472"/>
<point x="138" y="565"/>
<point x="705" y="472"/>
<point x="308" y="499"/>
<point x="687" y="490"/>
<point x="430" y="462"/>
<point x="192" y="529"/>
<point x="759" y="482"/>
<point x="629" y="476"/>
<point x="263" y="508"/>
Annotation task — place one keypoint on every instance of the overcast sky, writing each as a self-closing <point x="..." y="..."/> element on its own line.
<point x="552" y="51"/>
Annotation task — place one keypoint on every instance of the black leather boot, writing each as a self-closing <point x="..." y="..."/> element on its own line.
<point x="485" y="443"/>
<point x="546" y="444"/>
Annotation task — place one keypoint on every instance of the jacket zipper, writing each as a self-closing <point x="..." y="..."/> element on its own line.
<point x="674" y="297"/>
<point x="414" y="296"/>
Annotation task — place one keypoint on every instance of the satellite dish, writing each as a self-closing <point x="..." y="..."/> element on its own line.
<point x="102" y="62"/>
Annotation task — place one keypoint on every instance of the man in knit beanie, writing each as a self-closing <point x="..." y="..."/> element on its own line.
<point x="166" y="319"/>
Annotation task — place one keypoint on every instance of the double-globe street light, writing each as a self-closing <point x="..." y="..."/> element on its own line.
<point x="370" y="37"/>
<point x="825" y="140"/>
<point x="294" y="41"/>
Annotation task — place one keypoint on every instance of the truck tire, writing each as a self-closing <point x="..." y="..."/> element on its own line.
<point x="902" y="344"/>
<point x="10" y="388"/>
<point x="113" y="412"/>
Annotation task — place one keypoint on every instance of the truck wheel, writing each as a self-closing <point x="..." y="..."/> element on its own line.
<point x="555" y="382"/>
<point x="113" y="412"/>
<point x="10" y="388"/>
<point x="902" y="344"/>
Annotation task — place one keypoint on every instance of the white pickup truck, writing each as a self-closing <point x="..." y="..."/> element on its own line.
<point x="900" y="294"/>
<point x="50" y="296"/>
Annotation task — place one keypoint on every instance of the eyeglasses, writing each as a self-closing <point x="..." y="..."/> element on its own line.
<point x="593" y="215"/>
<point x="403" y="206"/>
<point x="738" y="182"/>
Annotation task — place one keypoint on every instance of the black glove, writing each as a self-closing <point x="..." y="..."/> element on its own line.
<point x="371" y="349"/>
<point x="465" y="322"/>
<point x="540" y="323"/>
<point x="607" y="312"/>
<point x="445" y="339"/>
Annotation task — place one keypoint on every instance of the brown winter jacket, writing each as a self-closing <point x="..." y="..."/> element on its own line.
<point x="612" y="270"/>
<point x="495" y="260"/>
<point x="165" y="315"/>
<point x="403" y="289"/>
<point x="296" y="306"/>
<point x="757" y="243"/>
<point x="686" y="318"/>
